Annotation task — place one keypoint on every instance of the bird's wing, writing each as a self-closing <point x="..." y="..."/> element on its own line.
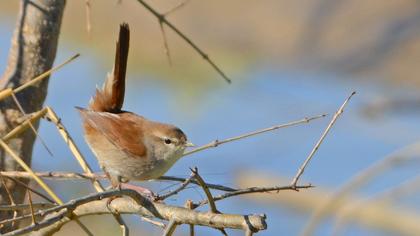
<point x="125" y="134"/>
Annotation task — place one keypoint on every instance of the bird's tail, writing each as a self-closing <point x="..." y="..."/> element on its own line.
<point x="111" y="97"/>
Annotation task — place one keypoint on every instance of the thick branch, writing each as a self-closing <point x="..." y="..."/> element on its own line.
<point x="90" y="205"/>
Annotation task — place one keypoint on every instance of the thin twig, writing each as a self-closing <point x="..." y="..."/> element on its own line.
<point x="177" y="190"/>
<point x="190" y="205"/>
<point x="209" y="196"/>
<point x="30" y="189"/>
<point x="97" y="176"/>
<point x="162" y="18"/>
<point x="177" y="7"/>
<point x="33" y="117"/>
<point x="170" y="228"/>
<point x="20" y="207"/>
<point x="318" y="144"/>
<point x="38" y="180"/>
<point x="206" y="190"/>
<point x="44" y="144"/>
<point x="165" y="43"/>
<point x="153" y="222"/>
<point x="30" y="171"/>
<point x="254" y="190"/>
<point x="216" y="143"/>
<point x="12" y="202"/>
<point x="31" y="207"/>
<point x="45" y="74"/>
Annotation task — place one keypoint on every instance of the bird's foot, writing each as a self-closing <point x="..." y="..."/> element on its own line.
<point x="143" y="191"/>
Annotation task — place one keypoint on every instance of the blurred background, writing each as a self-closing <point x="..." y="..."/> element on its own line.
<point x="287" y="60"/>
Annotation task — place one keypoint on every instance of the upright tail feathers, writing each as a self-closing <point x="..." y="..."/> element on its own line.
<point x="111" y="97"/>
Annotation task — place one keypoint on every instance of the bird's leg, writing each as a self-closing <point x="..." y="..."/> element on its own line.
<point x="116" y="184"/>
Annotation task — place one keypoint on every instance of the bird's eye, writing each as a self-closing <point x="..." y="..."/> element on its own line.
<point x="167" y="141"/>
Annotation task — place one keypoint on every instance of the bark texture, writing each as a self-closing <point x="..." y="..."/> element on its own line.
<point x="33" y="50"/>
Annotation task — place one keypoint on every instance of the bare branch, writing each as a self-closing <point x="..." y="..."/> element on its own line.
<point x="177" y="190"/>
<point x="206" y="190"/>
<point x="170" y="229"/>
<point x="44" y="75"/>
<point x="162" y="18"/>
<point x="165" y="43"/>
<point x="318" y="144"/>
<point x="30" y="189"/>
<point x="177" y="7"/>
<point x="216" y="143"/>
<point x="255" y="190"/>
<point x="96" y="176"/>
<point x="97" y="204"/>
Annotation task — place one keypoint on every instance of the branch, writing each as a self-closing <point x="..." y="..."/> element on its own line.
<point x="96" y="204"/>
<point x="254" y="190"/>
<point x="216" y="143"/>
<point x="318" y="144"/>
<point x="162" y="20"/>
<point x="97" y="176"/>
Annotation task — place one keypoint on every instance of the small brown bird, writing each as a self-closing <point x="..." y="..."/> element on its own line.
<point x="128" y="146"/>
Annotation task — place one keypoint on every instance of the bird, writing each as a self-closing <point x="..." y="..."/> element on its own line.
<point x="128" y="146"/>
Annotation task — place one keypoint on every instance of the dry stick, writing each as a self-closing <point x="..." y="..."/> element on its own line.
<point x="25" y="124"/>
<point x="30" y="171"/>
<point x="190" y="205"/>
<point x="177" y="190"/>
<point x="7" y="92"/>
<point x="97" y="176"/>
<point x="44" y="75"/>
<point x="138" y="204"/>
<point x="44" y="144"/>
<point x="12" y="202"/>
<point x="206" y="190"/>
<point x="170" y="228"/>
<point x="70" y="206"/>
<point x="177" y="7"/>
<point x="52" y="116"/>
<point x="254" y="190"/>
<point x="153" y="222"/>
<point x="165" y="43"/>
<point x="162" y="18"/>
<point x="30" y="189"/>
<point x="204" y="202"/>
<point x="21" y="207"/>
<point x="38" y="180"/>
<point x="31" y="207"/>
<point x="216" y="143"/>
<point x="162" y="30"/>
<point x="333" y="120"/>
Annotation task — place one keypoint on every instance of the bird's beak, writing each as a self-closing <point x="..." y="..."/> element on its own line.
<point x="189" y="144"/>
